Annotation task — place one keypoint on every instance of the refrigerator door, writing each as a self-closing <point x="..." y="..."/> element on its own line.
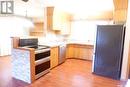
<point x="109" y="50"/>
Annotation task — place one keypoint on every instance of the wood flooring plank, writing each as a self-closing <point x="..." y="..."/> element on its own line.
<point x="72" y="73"/>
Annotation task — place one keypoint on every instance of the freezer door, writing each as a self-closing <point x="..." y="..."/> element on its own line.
<point x="109" y="50"/>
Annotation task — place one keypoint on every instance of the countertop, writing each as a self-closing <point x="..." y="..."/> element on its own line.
<point x="61" y="43"/>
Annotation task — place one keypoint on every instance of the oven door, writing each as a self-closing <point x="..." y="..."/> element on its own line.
<point x="42" y="67"/>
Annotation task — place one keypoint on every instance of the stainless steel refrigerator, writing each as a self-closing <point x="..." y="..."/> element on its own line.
<point x="109" y="50"/>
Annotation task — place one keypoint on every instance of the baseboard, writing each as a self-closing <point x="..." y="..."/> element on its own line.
<point x="79" y="59"/>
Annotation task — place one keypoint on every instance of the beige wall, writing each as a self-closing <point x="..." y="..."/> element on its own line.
<point x="12" y="26"/>
<point x="124" y="73"/>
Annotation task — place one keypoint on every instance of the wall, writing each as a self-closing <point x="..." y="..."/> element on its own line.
<point x="102" y="15"/>
<point x="12" y="26"/>
<point x="32" y="8"/>
<point x="124" y="73"/>
<point x="84" y="31"/>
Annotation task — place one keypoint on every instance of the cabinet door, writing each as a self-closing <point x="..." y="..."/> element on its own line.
<point x="90" y="54"/>
<point x="84" y="53"/>
<point x="49" y="17"/>
<point x="54" y="56"/>
<point x="79" y="52"/>
<point x="61" y="21"/>
<point x="70" y="53"/>
<point x="57" y="17"/>
<point x="49" y="22"/>
<point x="50" y="11"/>
<point x="76" y="52"/>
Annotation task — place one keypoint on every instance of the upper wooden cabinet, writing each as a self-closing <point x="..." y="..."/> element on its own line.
<point x="50" y="11"/>
<point x="120" y="16"/>
<point x="57" y="20"/>
<point x="120" y="4"/>
<point x="120" y="11"/>
<point x="38" y="29"/>
<point x="49" y="22"/>
<point x="49" y="17"/>
<point x="61" y="21"/>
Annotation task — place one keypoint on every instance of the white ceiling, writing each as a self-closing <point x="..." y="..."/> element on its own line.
<point x="85" y="6"/>
<point x="32" y="8"/>
<point x="78" y="7"/>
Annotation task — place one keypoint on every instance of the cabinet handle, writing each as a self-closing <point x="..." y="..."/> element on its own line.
<point x="42" y="61"/>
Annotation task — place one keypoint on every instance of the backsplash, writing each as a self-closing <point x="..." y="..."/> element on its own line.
<point x="52" y="39"/>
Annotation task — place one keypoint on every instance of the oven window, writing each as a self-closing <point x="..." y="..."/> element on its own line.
<point x="41" y="67"/>
<point x="42" y="55"/>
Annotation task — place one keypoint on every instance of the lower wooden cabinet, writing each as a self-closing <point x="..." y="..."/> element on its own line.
<point x="79" y="51"/>
<point x="69" y="51"/>
<point x="54" y="56"/>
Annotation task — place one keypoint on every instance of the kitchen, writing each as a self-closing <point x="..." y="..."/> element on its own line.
<point x="74" y="39"/>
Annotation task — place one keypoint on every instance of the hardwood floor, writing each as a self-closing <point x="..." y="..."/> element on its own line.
<point x="6" y="79"/>
<point x="72" y="73"/>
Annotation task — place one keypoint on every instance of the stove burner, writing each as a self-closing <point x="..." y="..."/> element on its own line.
<point x="39" y="47"/>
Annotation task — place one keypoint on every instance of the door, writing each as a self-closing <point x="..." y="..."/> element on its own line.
<point x="108" y="51"/>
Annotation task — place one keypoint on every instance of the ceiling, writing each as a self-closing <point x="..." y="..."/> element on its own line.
<point x="32" y="8"/>
<point x="84" y="6"/>
<point x="35" y="8"/>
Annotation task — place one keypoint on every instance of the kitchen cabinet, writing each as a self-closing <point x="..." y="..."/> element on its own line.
<point x="54" y="56"/>
<point x="49" y="21"/>
<point x="50" y="11"/>
<point x="49" y="16"/>
<point x="57" y="20"/>
<point x="120" y="16"/>
<point x="61" y="21"/>
<point x="79" y="51"/>
<point x="120" y="11"/>
<point x="69" y="51"/>
<point x="38" y="29"/>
